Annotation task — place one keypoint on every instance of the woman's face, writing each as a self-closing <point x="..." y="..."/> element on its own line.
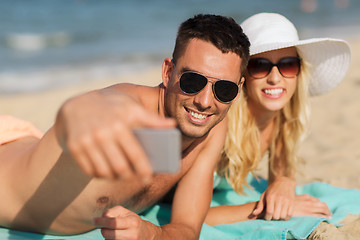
<point x="271" y="92"/>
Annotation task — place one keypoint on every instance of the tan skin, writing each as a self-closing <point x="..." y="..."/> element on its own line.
<point x="89" y="170"/>
<point x="279" y="201"/>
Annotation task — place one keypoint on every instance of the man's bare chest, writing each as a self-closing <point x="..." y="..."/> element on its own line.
<point x="152" y="193"/>
<point x="135" y="195"/>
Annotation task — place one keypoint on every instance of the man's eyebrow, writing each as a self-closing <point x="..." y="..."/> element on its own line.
<point x="186" y="69"/>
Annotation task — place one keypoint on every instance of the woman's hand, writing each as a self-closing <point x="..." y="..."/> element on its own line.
<point x="306" y="205"/>
<point x="278" y="200"/>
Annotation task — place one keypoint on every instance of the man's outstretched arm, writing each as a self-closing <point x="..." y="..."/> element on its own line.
<point x="97" y="129"/>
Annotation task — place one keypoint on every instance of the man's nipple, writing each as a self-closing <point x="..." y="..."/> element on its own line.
<point x="102" y="200"/>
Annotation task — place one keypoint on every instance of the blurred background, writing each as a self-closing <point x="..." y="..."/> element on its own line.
<point x="51" y="50"/>
<point x="45" y="44"/>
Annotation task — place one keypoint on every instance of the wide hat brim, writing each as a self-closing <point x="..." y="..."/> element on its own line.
<point x="329" y="58"/>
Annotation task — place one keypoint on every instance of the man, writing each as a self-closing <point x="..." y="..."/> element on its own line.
<point x="90" y="169"/>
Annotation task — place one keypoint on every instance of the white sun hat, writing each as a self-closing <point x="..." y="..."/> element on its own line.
<point x="329" y="58"/>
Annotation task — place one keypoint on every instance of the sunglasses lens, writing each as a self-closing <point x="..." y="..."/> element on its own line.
<point x="192" y="83"/>
<point x="259" y="67"/>
<point x="289" y="67"/>
<point x="226" y="91"/>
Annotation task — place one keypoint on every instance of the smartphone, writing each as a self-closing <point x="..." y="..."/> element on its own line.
<point x="163" y="148"/>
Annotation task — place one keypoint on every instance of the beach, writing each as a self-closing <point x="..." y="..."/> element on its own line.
<point x="331" y="152"/>
<point x="53" y="51"/>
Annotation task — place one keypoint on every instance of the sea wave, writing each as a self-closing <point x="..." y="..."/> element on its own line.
<point x="13" y="82"/>
<point x="36" y="41"/>
<point x="45" y="44"/>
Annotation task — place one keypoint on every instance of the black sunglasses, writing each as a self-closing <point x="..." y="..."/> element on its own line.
<point x="192" y="82"/>
<point x="261" y="67"/>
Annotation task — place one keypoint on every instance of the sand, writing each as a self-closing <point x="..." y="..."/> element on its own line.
<point x="349" y="231"/>
<point x="331" y="152"/>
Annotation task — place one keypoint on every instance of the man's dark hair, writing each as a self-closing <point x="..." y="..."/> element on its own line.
<point x="223" y="32"/>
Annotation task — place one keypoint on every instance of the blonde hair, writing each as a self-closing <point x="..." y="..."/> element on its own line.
<point x="241" y="152"/>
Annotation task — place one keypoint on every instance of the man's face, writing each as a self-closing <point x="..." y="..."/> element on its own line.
<point x="197" y="114"/>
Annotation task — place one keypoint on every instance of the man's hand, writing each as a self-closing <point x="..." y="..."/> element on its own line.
<point x="121" y="223"/>
<point x="278" y="200"/>
<point x="306" y="205"/>
<point x="96" y="128"/>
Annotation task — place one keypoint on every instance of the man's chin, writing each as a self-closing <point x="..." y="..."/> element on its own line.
<point x="194" y="133"/>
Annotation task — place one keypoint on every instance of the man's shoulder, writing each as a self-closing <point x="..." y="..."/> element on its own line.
<point x="219" y="131"/>
<point x="148" y="96"/>
<point x="215" y="140"/>
<point x="134" y="89"/>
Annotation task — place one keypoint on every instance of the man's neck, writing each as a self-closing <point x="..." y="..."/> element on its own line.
<point x="161" y="101"/>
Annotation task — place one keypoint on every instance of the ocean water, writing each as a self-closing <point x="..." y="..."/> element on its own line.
<point x="52" y="43"/>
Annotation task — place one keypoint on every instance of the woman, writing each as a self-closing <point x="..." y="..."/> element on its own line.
<point x="271" y="116"/>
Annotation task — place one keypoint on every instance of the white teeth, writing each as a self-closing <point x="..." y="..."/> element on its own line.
<point x="197" y="115"/>
<point x="276" y="91"/>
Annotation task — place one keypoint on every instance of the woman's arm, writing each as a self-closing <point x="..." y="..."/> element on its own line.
<point x="278" y="200"/>
<point x="304" y="205"/>
<point x="231" y="213"/>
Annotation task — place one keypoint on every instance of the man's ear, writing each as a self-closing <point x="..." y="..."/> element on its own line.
<point x="241" y="84"/>
<point x="242" y="81"/>
<point x="167" y="69"/>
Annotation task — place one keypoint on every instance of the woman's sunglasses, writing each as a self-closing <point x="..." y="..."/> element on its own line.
<point x="261" y="67"/>
<point x="192" y="82"/>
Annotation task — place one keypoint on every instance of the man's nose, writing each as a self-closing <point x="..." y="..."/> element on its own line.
<point x="205" y="98"/>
